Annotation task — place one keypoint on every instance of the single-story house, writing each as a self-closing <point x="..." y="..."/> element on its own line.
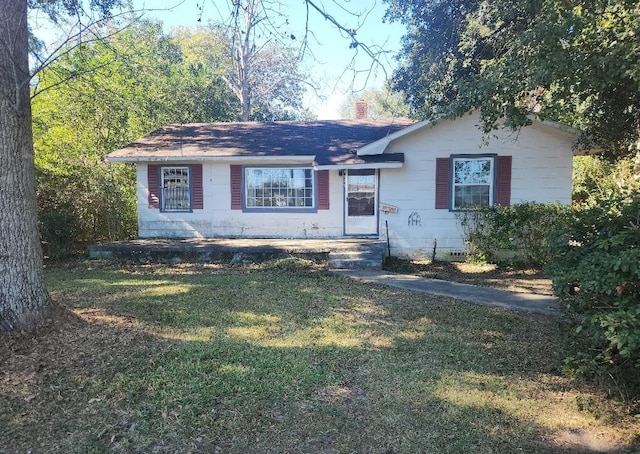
<point x="389" y="179"/>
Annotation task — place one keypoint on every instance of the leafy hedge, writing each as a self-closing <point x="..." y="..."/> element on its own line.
<point x="596" y="274"/>
<point x="593" y="257"/>
<point x="83" y="202"/>
<point x="58" y="231"/>
<point x="518" y="233"/>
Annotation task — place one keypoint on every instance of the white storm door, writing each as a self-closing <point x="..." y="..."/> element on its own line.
<point x="361" y="207"/>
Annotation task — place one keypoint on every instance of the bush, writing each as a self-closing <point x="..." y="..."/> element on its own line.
<point x="520" y="232"/>
<point x="595" y="178"/>
<point x="96" y="198"/>
<point x="596" y="274"/>
<point x="58" y="230"/>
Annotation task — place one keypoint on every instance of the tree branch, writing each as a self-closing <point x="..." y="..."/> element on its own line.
<point x="351" y="33"/>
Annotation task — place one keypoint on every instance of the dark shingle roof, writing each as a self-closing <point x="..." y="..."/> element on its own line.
<point x="331" y="142"/>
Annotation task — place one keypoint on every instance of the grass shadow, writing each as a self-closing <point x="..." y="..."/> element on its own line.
<point x="201" y="359"/>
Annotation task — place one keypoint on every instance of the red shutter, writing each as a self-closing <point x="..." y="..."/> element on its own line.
<point x="442" y="184"/>
<point x="197" y="196"/>
<point x="323" y="189"/>
<point x="503" y="180"/>
<point x="153" y="185"/>
<point x="236" y="187"/>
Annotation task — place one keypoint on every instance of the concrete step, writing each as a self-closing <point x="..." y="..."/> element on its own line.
<point x="361" y="259"/>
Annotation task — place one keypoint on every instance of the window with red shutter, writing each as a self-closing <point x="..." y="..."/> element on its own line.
<point x="176" y="188"/>
<point x="472" y="180"/>
<point x="197" y="194"/>
<point x="236" y="187"/>
<point x="153" y="185"/>
<point x="442" y="184"/>
<point x="503" y="180"/>
<point x="273" y="188"/>
<point x="323" y="189"/>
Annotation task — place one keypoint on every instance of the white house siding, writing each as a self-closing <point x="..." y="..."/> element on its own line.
<point x="217" y="220"/>
<point x="541" y="172"/>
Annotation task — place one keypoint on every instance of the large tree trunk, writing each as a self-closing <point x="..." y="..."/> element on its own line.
<point x="23" y="298"/>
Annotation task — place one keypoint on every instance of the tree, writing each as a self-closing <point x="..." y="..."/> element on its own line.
<point x="260" y="69"/>
<point x="276" y="84"/>
<point x="98" y="97"/>
<point x="204" y="93"/>
<point x="430" y="59"/>
<point x="23" y="297"/>
<point x="570" y="61"/>
<point x="381" y="103"/>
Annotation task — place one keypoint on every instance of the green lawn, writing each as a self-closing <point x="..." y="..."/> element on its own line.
<point x="284" y="357"/>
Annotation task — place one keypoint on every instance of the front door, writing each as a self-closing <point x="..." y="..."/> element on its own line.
<point x="361" y="208"/>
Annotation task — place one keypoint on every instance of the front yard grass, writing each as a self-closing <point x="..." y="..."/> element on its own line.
<point x="285" y="357"/>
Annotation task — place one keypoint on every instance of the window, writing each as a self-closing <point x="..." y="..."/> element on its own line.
<point x="279" y="188"/>
<point x="472" y="182"/>
<point x="175" y="191"/>
<point x="361" y="187"/>
<point x="167" y="185"/>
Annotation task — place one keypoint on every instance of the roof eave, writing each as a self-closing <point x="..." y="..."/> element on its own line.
<point x="380" y="146"/>
<point x="364" y="165"/>
<point x="555" y="125"/>
<point x="284" y="159"/>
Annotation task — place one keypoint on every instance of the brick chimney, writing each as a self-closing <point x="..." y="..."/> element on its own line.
<point x="361" y="110"/>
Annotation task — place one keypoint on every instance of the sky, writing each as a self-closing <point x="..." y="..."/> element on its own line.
<point x="335" y="69"/>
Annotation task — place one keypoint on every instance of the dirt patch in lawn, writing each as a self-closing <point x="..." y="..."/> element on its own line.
<point x="522" y="280"/>
<point x="52" y="382"/>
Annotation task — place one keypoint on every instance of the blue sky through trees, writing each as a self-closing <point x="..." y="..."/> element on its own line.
<point x="335" y="68"/>
<point x="329" y="58"/>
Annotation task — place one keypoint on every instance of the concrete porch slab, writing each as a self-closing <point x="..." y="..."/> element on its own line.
<point x="227" y="249"/>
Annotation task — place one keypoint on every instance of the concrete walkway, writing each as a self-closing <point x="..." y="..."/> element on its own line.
<point x="528" y="302"/>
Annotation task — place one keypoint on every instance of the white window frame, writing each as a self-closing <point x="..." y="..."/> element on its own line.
<point x="175" y="205"/>
<point x="490" y="180"/>
<point x="279" y="199"/>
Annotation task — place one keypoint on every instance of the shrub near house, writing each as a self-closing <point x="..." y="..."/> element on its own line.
<point x="518" y="233"/>
<point x="596" y="274"/>
<point x="593" y="256"/>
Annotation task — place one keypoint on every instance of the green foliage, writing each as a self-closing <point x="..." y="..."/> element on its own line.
<point x="98" y="197"/>
<point x="58" y="230"/>
<point x="596" y="274"/>
<point x="264" y="74"/>
<point x="595" y="178"/>
<point x="518" y="233"/>
<point x="101" y="96"/>
<point x="430" y="59"/>
<point x="574" y="62"/>
<point x="204" y="94"/>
